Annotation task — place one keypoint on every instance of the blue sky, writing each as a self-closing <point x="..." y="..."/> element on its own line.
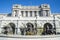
<point x="6" y="5"/>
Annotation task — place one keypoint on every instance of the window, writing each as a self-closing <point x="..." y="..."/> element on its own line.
<point x="35" y="13"/>
<point x="16" y="13"/>
<point x="39" y="13"/>
<point x="30" y="13"/>
<point x="22" y="13"/>
<point x="45" y="6"/>
<point x="16" y="6"/>
<point x="47" y="14"/>
<point x="26" y="13"/>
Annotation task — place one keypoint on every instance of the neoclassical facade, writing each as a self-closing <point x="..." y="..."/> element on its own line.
<point x="30" y="20"/>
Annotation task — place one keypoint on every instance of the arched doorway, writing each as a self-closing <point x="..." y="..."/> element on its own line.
<point x="13" y="27"/>
<point x="30" y="29"/>
<point x="30" y="26"/>
<point x="48" y="29"/>
<point x="9" y="28"/>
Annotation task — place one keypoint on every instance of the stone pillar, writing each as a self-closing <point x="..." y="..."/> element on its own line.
<point x="24" y="14"/>
<point x="28" y="14"/>
<point x="37" y="13"/>
<point x="13" y="13"/>
<point x="44" y="13"/>
<point x="33" y="14"/>
<point x="20" y="14"/>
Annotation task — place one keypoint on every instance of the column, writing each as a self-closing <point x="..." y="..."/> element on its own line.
<point x="44" y="13"/>
<point x="37" y="13"/>
<point x="28" y="14"/>
<point x="33" y="14"/>
<point x="20" y="13"/>
<point x="13" y="13"/>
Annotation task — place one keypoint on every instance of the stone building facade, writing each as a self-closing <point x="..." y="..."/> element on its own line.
<point x="30" y="20"/>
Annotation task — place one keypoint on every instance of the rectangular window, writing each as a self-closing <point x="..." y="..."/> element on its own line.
<point x="16" y="13"/>
<point x="26" y="13"/>
<point x="30" y="13"/>
<point x="39" y="13"/>
<point x="47" y="14"/>
<point x="22" y="13"/>
<point x="35" y="13"/>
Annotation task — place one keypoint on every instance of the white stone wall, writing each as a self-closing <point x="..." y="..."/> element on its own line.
<point x="20" y="21"/>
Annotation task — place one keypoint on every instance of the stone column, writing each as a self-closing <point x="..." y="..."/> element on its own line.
<point x="32" y="13"/>
<point x="37" y="13"/>
<point x="13" y="13"/>
<point x="28" y="14"/>
<point x="23" y="13"/>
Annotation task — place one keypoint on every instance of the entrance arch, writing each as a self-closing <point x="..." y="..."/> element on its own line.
<point x="30" y="29"/>
<point x="13" y="27"/>
<point x="9" y="28"/>
<point x="30" y="25"/>
<point x="47" y="29"/>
